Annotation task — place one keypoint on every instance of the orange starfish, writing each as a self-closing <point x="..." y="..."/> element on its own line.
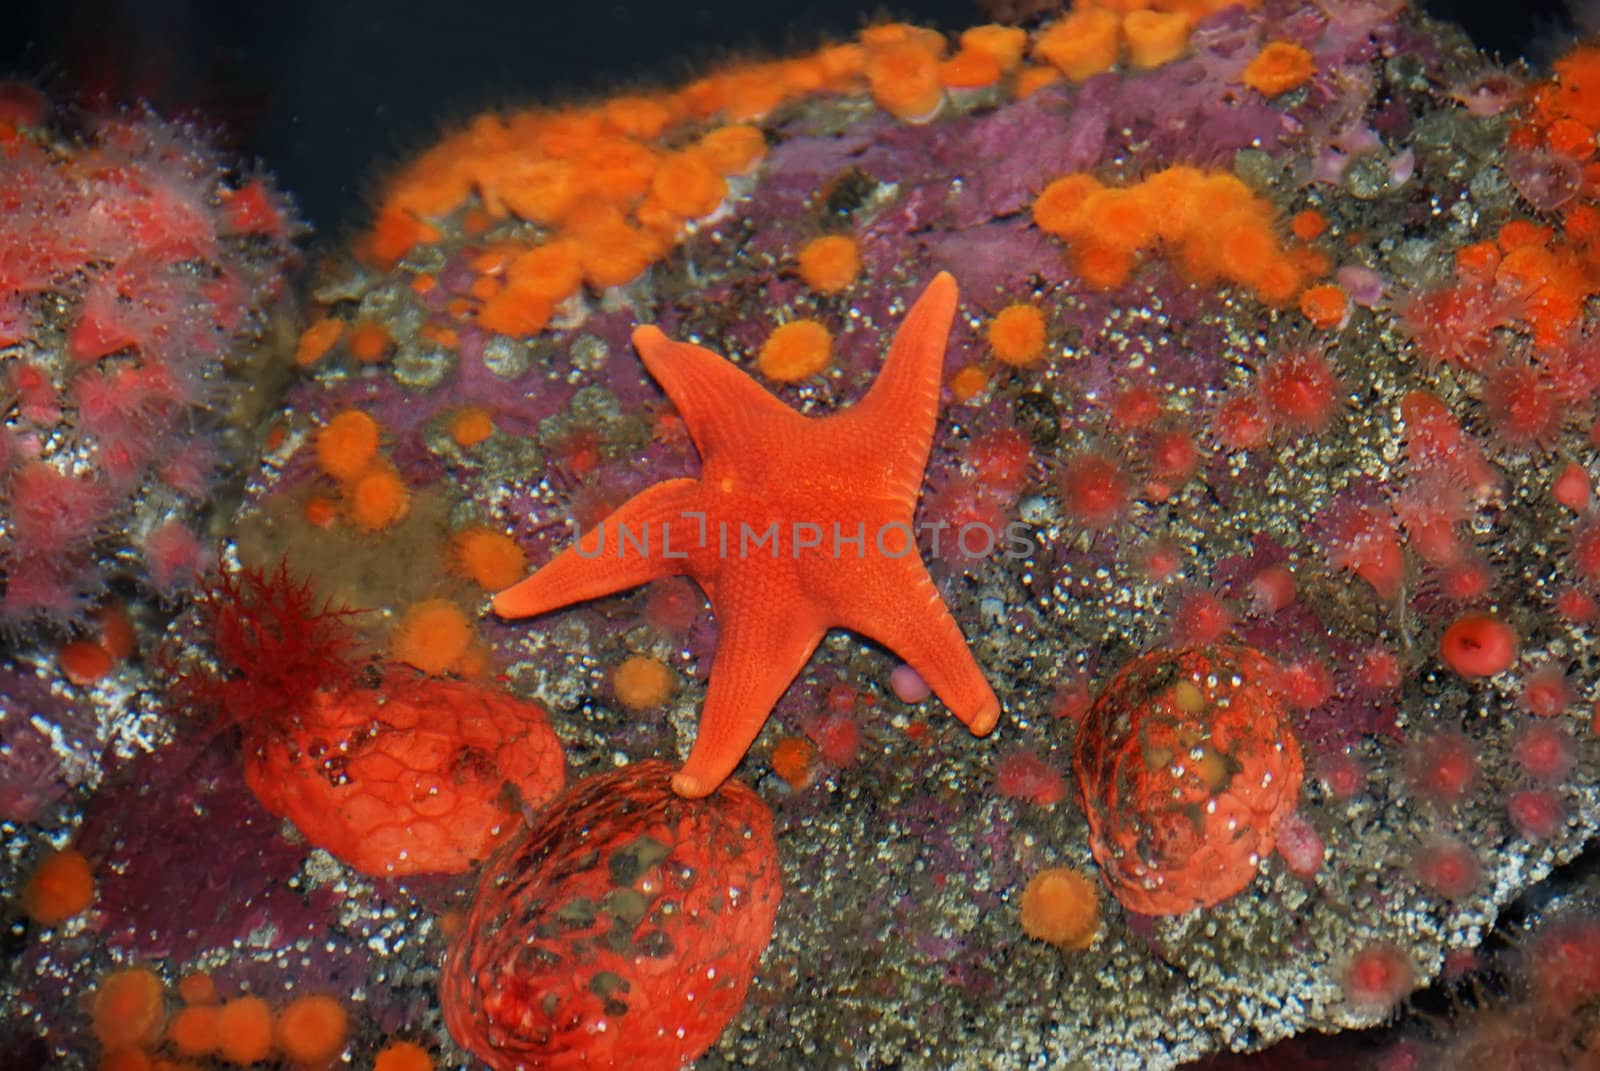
<point x="796" y="525"/>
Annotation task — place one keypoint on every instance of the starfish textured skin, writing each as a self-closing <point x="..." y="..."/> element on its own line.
<point x="811" y="486"/>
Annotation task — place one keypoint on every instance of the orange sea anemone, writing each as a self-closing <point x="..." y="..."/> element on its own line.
<point x="1004" y="44"/>
<point x="1155" y="38"/>
<point x="1117" y="218"/>
<point x="734" y="149"/>
<point x="492" y="559"/>
<point x="904" y="79"/>
<point x="517" y="310"/>
<point x="829" y="264"/>
<point x="1062" y="907"/>
<point x="61" y="887"/>
<point x="377" y="499"/>
<point x="317" y="340"/>
<point x="311" y="1030"/>
<point x="1082" y="44"/>
<point x="433" y="636"/>
<point x="369" y="342"/>
<point x="641" y="682"/>
<point x="193" y="1030"/>
<point x="1059" y="206"/>
<point x="129" y="1008"/>
<point x="471" y="425"/>
<point x="1279" y="67"/>
<point x="244" y="1030"/>
<point x="969" y="69"/>
<point x="347" y="444"/>
<point x="1017" y="335"/>
<point x="551" y="271"/>
<point x="688" y="186"/>
<point x="794" y="351"/>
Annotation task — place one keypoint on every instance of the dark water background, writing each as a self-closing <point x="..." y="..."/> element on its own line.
<point x="327" y="93"/>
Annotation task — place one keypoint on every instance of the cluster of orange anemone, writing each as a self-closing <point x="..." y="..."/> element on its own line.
<point x="372" y="493"/>
<point x="1562" y="114"/>
<point x="1212" y="225"/>
<point x="1532" y="279"/>
<point x="611" y="186"/>
<point x="433" y="635"/>
<point x="1096" y="34"/>
<point x="143" y="1027"/>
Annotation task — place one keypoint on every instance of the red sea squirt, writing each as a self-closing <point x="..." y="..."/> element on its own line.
<point x="620" y="931"/>
<point x="1185" y="764"/>
<point x="408" y="775"/>
<point x="408" y="779"/>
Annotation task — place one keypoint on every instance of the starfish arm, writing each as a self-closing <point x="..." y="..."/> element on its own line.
<point x="909" y="617"/>
<point x="905" y="397"/>
<point x="720" y="405"/>
<point x="761" y="648"/>
<point x="603" y="562"/>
